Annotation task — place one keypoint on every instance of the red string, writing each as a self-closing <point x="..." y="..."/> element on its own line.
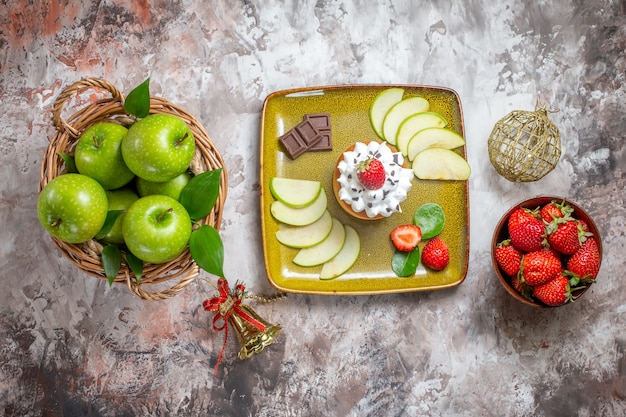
<point x="226" y="303"/>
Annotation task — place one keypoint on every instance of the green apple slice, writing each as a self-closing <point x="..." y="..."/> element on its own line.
<point x="440" y="164"/>
<point x="413" y="124"/>
<point x="399" y="112"/>
<point x="324" y="251"/>
<point x="294" y="192"/>
<point x="381" y="105"/>
<point x="433" y="137"/>
<point x="306" y="236"/>
<point x="346" y="257"/>
<point x="300" y="216"/>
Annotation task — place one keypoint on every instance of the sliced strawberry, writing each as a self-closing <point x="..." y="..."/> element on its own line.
<point x="406" y="237"/>
<point x="435" y="254"/>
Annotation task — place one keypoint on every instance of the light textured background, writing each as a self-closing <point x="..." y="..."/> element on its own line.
<point x="70" y="345"/>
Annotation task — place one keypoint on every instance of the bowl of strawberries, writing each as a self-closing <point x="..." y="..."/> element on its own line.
<point x="546" y="251"/>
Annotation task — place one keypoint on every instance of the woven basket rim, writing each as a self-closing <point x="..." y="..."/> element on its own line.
<point x="86" y="256"/>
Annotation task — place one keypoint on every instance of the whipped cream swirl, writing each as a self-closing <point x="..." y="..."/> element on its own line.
<point x="384" y="201"/>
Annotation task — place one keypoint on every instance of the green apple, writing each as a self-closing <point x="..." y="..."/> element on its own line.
<point x="300" y="216"/>
<point x="171" y="188"/>
<point x="440" y="164"/>
<point x="98" y="155"/>
<point x="294" y="192"/>
<point x="413" y="124"/>
<point x="119" y="199"/>
<point x="381" y="105"/>
<point x="346" y="257"/>
<point x="159" y="147"/>
<point x="433" y="137"/>
<point x="305" y="236"/>
<point x="399" y="112"/>
<point x="72" y="207"/>
<point x="156" y="228"/>
<point x="325" y="250"/>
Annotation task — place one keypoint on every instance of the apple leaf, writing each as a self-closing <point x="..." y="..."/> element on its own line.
<point x="135" y="264"/>
<point x="70" y="165"/>
<point x="111" y="261"/>
<point x="137" y="102"/>
<point x="112" y="215"/>
<point x="207" y="249"/>
<point x="200" y="194"/>
<point x="404" y="264"/>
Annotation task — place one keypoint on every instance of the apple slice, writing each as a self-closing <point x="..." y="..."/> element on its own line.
<point x="440" y="164"/>
<point x="300" y="216"/>
<point x="381" y="105"/>
<point x="413" y="124"/>
<point x="433" y="137"/>
<point x="344" y="260"/>
<point x="306" y="236"/>
<point x="293" y="192"/>
<point x="399" y="112"/>
<point x="325" y="250"/>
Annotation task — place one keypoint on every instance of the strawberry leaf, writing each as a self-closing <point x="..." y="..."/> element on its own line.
<point x="200" y="194"/>
<point x="405" y="264"/>
<point x="137" y="102"/>
<point x="111" y="262"/>
<point x="207" y="249"/>
<point x="135" y="264"/>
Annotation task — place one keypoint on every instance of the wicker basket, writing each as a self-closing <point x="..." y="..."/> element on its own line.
<point x="179" y="272"/>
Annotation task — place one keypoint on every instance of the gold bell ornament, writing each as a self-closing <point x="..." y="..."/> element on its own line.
<point x="524" y="146"/>
<point x="253" y="332"/>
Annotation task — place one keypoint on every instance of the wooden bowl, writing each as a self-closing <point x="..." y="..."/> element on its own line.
<point x="501" y="233"/>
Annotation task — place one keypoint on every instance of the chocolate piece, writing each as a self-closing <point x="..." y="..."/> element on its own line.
<point x="309" y="134"/>
<point x="293" y="144"/>
<point x="321" y="121"/>
<point x="313" y="134"/>
<point x="325" y="144"/>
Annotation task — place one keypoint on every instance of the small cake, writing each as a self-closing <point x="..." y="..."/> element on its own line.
<point x="370" y="180"/>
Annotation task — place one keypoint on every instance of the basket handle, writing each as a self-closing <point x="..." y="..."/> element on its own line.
<point x="68" y="92"/>
<point x="161" y="295"/>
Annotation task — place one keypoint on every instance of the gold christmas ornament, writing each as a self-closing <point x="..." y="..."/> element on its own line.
<point x="253" y="332"/>
<point x="524" y="146"/>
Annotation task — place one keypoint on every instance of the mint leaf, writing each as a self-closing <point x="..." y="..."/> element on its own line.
<point x="207" y="249"/>
<point x="200" y="194"/>
<point x="111" y="262"/>
<point x="405" y="264"/>
<point x="137" y="102"/>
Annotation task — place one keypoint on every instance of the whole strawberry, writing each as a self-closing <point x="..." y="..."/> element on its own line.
<point x="528" y="236"/>
<point x="585" y="263"/>
<point x="563" y="236"/>
<point x="520" y="215"/>
<point x="555" y="210"/>
<point x="555" y="292"/>
<point x="508" y="257"/>
<point x="371" y="173"/>
<point x="540" y="267"/>
<point x="435" y="254"/>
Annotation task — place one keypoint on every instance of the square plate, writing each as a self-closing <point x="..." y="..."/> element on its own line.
<point x="349" y="116"/>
